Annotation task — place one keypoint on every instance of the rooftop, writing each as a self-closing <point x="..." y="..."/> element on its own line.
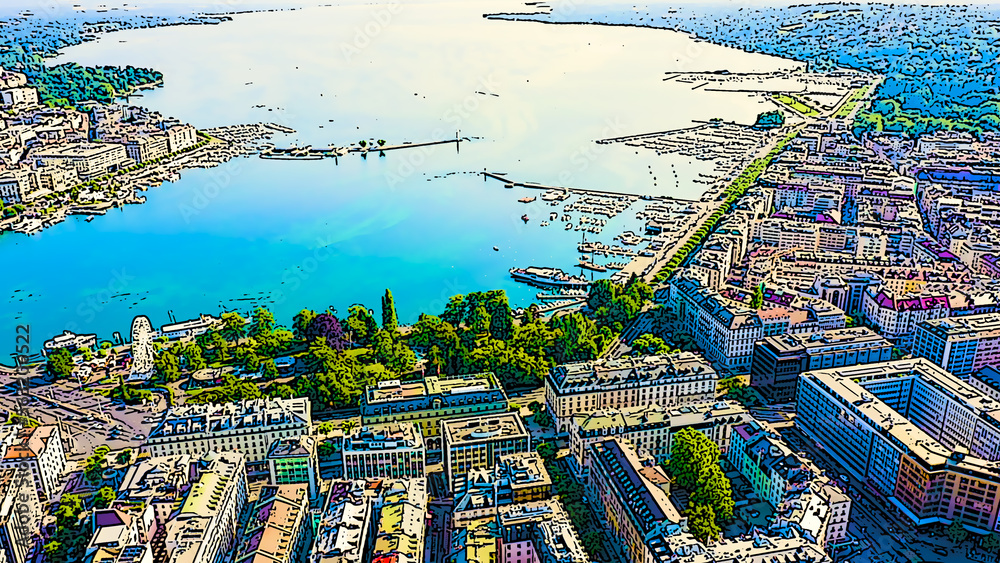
<point x="504" y="426"/>
<point x="607" y="373"/>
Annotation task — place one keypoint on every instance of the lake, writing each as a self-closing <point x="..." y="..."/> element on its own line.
<point x="532" y="98"/>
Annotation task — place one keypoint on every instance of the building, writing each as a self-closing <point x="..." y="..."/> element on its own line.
<point x="516" y="478"/>
<point x="478" y="442"/>
<point x="727" y="329"/>
<point x="393" y="451"/>
<point x="19" y="97"/>
<point x="961" y="345"/>
<point x="181" y="137"/>
<point x="400" y="522"/>
<point x="40" y="450"/>
<point x="920" y="437"/>
<point x="203" y="528"/>
<point x="431" y="400"/>
<point x="650" y="429"/>
<point x="806" y="504"/>
<point x="20" y="514"/>
<point x="987" y="382"/>
<point x="676" y="379"/>
<point x="293" y="461"/>
<point x="279" y="529"/>
<point x="145" y="149"/>
<point x="89" y="159"/>
<point x="632" y="499"/>
<point x="249" y="427"/>
<point x="344" y="531"/>
<point x="896" y="317"/>
<point x="538" y="532"/>
<point x="778" y="360"/>
<point x="15" y="187"/>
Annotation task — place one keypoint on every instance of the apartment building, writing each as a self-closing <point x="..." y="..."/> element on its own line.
<point x="89" y="159"/>
<point x="538" y="532"/>
<point x="294" y="461"/>
<point x="279" y="529"/>
<point x="670" y="380"/>
<point x="20" y="514"/>
<point x="40" y="450"/>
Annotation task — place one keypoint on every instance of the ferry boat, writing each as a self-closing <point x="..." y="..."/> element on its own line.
<point x="526" y="199"/>
<point x="591" y="266"/>
<point x="548" y="277"/>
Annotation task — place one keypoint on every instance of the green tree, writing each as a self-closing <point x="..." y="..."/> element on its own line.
<point x="60" y="363"/>
<point x="592" y="541"/>
<point x="757" y="297"/>
<point x="956" y="531"/>
<point x="124" y="457"/>
<point x="168" y="366"/>
<point x="548" y="451"/>
<point x="234" y="326"/>
<point x="220" y="347"/>
<point x="690" y="452"/>
<point x="715" y="490"/>
<point x="348" y="426"/>
<point x="263" y="323"/>
<point x="194" y="354"/>
<point x="268" y="369"/>
<point x="991" y="543"/>
<point x="389" y="320"/>
<point x="647" y="344"/>
<point x="702" y="523"/>
<point x="69" y="510"/>
<point x="454" y="311"/>
<point x="301" y="322"/>
<point x="105" y="496"/>
<point x="392" y="353"/>
<point x="361" y="324"/>
<point x="578" y="339"/>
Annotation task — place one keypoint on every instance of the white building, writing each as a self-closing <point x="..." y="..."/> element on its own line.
<point x="393" y="450"/>
<point x="249" y="427"/>
<point x="181" y="137"/>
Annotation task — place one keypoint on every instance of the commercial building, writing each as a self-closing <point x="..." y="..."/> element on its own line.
<point x="651" y="429"/>
<point x="20" y="514"/>
<point x="249" y="427"/>
<point x="293" y="461"/>
<point x="479" y="442"/>
<point x="632" y="499"/>
<point x="922" y="438"/>
<point x="961" y="345"/>
<point x="987" y="382"/>
<point x="677" y="379"/>
<point x="145" y="149"/>
<point x="431" y="400"/>
<point x="778" y="360"/>
<point x="203" y="528"/>
<point x="538" y="532"/>
<point x="727" y="329"/>
<point x="89" y="159"/>
<point x="279" y="529"/>
<point x="40" y="450"/>
<point x="15" y="187"/>
<point x="392" y="451"/>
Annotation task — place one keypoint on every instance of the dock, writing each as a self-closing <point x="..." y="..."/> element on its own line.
<point x="310" y="153"/>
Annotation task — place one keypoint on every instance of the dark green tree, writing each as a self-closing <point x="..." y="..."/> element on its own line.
<point x="361" y="324"/>
<point x="105" y="496"/>
<point x="389" y="320"/>
<point x="301" y="322"/>
<point x="702" y="523"/>
<point x="60" y="363"/>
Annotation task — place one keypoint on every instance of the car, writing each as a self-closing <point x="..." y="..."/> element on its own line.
<point x="940" y="551"/>
<point x="121" y="408"/>
<point x="139" y="437"/>
<point x="845" y="478"/>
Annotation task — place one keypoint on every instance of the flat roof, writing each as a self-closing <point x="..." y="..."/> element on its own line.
<point x="485" y="428"/>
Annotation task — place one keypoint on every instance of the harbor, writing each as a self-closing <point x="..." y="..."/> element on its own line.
<point x="311" y="153"/>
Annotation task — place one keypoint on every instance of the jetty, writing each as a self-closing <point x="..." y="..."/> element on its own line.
<point x="313" y="153"/>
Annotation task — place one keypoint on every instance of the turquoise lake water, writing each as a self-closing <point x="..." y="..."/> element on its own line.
<point x="316" y="234"/>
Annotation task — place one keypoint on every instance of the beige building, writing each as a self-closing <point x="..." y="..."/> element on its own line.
<point x="89" y="159"/>
<point x="676" y="379"/>
<point x="20" y="514"/>
<point x="393" y="451"/>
